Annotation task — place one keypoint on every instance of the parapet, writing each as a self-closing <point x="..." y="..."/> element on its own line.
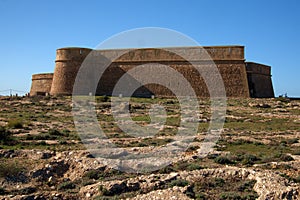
<point x="192" y="53"/>
<point x="71" y="54"/>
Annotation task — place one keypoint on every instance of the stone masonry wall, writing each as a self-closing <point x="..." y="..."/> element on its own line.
<point x="234" y="78"/>
<point x="229" y="60"/>
<point x="259" y="80"/>
<point x="41" y="84"/>
<point x="67" y="64"/>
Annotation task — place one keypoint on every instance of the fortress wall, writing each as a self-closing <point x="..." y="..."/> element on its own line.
<point x="108" y="80"/>
<point x="170" y="54"/>
<point x="67" y="64"/>
<point x="229" y="60"/>
<point x="234" y="77"/>
<point x="41" y="84"/>
<point x="69" y="60"/>
<point x="259" y="79"/>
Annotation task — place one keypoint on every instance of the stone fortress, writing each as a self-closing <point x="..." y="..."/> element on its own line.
<point x="241" y="78"/>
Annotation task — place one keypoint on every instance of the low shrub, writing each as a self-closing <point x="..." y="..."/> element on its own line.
<point x="246" y="186"/>
<point x="223" y="160"/>
<point x="103" y="190"/>
<point x="296" y="179"/>
<point x="194" y="166"/>
<point x="42" y="143"/>
<point x="27" y="190"/>
<point x="103" y="99"/>
<point x="42" y="136"/>
<point x="55" y="132"/>
<point x="200" y="196"/>
<point x="179" y="183"/>
<point x="292" y="141"/>
<point x="5" y="135"/>
<point x="63" y="142"/>
<point x="66" y="186"/>
<point x="9" y="169"/>
<point x="219" y="182"/>
<point x="15" y="123"/>
<point x="230" y="195"/>
<point x="249" y="159"/>
<point x="2" y="191"/>
<point x="286" y="158"/>
<point x="93" y="174"/>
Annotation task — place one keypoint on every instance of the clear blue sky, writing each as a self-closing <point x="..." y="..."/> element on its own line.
<point x="31" y="31"/>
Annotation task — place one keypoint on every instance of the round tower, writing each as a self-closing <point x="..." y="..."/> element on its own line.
<point x="41" y="84"/>
<point x="67" y="64"/>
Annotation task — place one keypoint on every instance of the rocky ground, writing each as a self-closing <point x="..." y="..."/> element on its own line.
<point x="256" y="157"/>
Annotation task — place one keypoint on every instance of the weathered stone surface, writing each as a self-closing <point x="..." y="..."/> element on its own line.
<point x="241" y="79"/>
<point x="41" y="84"/>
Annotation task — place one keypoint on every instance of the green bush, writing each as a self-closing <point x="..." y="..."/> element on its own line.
<point x="100" y="197"/>
<point x="219" y="182"/>
<point x="200" y="196"/>
<point x="42" y="143"/>
<point x="27" y="190"/>
<point x="297" y="179"/>
<point x="283" y="99"/>
<point x="4" y="134"/>
<point x="63" y="142"/>
<point x="93" y="174"/>
<point x="249" y="159"/>
<point x="66" y="186"/>
<point x="179" y="183"/>
<point x="294" y="179"/>
<point x="29" y="137"/>
<point x="52" y="135"/>
<point x="246" y="186"/>
<point x="297" y="152"/>
<point x="9" y="169"/>
<point x="223" y="160"/>
<point x="230" y="195"/>
<point x="103" y="190"/>
<point x="103" y="99"/>
<point x="85" y="182"/>
<point x="2" y="191"/>
<point x="283" y="157"/>
<point x="292" y="141"/>
<point x="15" y="123"/>
<point x="194" y="166"/>
<point x="286" y="158"/>
<point x="55" y="132"/>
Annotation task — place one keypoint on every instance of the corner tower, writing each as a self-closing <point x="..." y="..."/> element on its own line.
<point x="41" y="84"/>
<point x="67" y="64"/>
